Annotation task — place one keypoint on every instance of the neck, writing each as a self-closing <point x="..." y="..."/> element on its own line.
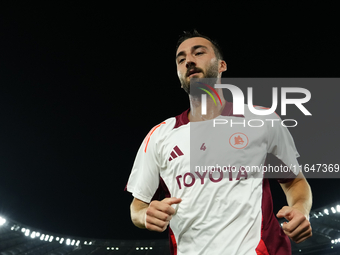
<point x="213" y="110"/>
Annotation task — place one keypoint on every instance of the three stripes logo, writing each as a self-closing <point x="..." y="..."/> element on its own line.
<point x="204" y="97"/>
<point x="176" y="152"/>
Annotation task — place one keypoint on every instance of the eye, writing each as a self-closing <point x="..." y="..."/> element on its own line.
<point x="199" y="53"/>
<point x="181" y="60"/>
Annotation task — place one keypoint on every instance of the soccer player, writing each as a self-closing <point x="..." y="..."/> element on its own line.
<point x="208" y="214"/>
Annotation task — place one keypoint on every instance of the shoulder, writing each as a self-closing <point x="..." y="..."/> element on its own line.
<point x="259" y="112"/>
<point x="161" y="130"/>
<point x="172" y="123"/>
<point x="256" y="112"/>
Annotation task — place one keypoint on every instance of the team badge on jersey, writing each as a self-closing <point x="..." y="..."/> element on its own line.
<point x="238" y="141"/>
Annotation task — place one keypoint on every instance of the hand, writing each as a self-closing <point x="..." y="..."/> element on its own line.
<point x="159" y="214"/>
<point x="298" y="228"/>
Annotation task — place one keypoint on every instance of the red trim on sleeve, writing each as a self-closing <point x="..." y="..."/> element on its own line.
<point x="147" y="138"/>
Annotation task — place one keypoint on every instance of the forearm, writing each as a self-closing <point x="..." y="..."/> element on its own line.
<point x="154" y="216"/>
<point x="137" y="211"/>
<point x="299" y="196"/>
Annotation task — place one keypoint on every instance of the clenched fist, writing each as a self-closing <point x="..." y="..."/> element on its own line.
<point x="159" y="214"/>
<point x="298" y="228"/>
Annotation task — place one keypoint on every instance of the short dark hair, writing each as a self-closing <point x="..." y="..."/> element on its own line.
<point x="193" y="33"/>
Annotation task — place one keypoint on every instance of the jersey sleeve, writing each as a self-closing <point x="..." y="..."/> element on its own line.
<point x="282" y="146"/>
<point x="144" y="178"/>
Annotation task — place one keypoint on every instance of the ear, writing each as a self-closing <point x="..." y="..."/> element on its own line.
<point x="222" y="66"/>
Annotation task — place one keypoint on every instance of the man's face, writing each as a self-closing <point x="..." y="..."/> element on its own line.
<point x="195" y="58"/>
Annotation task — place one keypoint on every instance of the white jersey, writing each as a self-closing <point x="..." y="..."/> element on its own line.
<point x="228" y="211"/>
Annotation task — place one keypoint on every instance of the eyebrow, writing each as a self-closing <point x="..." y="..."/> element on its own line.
<point x="182" y="53"/>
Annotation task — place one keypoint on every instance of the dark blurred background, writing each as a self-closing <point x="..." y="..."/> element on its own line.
<point x="81" y="84"/>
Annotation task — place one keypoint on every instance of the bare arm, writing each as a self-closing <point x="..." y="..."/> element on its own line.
<point x="154" y="216"/>
<point x="137" y="210"/>
<point x="299" y="199"/>
<point x="299" y="194"/>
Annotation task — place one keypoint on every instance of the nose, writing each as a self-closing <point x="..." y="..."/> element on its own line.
<point x="190" y="63"/>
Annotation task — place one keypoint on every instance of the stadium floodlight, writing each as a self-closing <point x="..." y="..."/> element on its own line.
<point x="90" y="243"/>
<point x="117" y="248"/>
<point x="27" y="232"/>
<point x="332" y="241"/>
<point x="333" y="210"/>
<point x="61" y="240"/>
<point x="2" y="221"/>
<point x="77" y="243"/>
<point x="46" y="237"/>
<point x="150" y="248"/>
<point x="326" y="211"/>
<point x="141" y="248"/>
<point x="23" y="230"/>
<point x="57" y="238"/>
<point x="338" y="208"/>
<point x="73" y="242"/>
<point x="68" y="241"/>
<point x="51" y="239"/>
<point x="33" y="235"/>
<point x="137" y="248"/>
<point x="146" y="248"/>
<point x="107" y="248"/>
<point x="37" y="234"/>
<point x="85" y="242"/>
<point x="42" y="237"/>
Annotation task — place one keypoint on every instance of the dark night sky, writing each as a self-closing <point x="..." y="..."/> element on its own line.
<point x="82" y="84"/>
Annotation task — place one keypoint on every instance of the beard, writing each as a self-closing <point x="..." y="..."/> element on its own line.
<point x="194" y="83"/>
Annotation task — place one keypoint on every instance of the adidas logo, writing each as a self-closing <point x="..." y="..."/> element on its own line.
<point x="176" y="152"/>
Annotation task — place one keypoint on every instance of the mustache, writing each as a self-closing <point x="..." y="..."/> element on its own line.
<point x="193" y="70"/>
